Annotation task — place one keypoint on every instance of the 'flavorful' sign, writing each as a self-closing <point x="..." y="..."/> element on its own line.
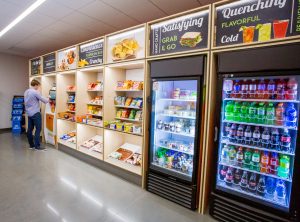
<point x="257" y="21"/>
<point x="49" y="63"/>
<point x="91" y="54"/>
<point x="184" y="33"/>
<point x="35" y="66"/>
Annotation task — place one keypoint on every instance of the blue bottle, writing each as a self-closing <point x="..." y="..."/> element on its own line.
<point x="280" y="191"/>
<point x="270" y="186"/>
<point x="290" y="115"/>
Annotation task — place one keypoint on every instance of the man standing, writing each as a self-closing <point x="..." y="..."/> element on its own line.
<point x="32" y="98"/>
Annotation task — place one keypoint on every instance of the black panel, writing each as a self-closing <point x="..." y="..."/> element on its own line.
<point x="260" y="59"/>
<point x="178" y="67"/>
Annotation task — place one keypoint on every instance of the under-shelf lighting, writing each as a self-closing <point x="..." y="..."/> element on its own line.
<point x="22" y="16"/>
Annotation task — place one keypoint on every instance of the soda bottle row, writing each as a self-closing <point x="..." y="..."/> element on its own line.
<point x="265" y="137"/>
<point x="280" y="89"/>
<point x="262" y="113"/>
<point x="260" y="185"/>
<point x="260" y="161"/>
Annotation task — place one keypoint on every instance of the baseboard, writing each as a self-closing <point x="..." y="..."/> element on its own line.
<point x="5" y="130"/>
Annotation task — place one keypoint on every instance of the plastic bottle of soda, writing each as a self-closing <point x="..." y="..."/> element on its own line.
<point x="284" y="166"/>
<point x="248" y="135"/>
<point x="236" y="89"/>
<point x="232" y="133"/>
<point x="270" y="115"/>
<point x="229" y="177"/>
<point x="255" y="161"/>
<point x="291" y="115"/>
<point x="244" y="112"/>
<point x="226" y="129"/>
<point x="261" y="89"/>
<point x="244" y="89"/>
<point x="223" y="172"/>
<point x="229" y="110"/>
<point x="285" y="141"/>
<point x="265" y="138"/>
<point x="252" y="114"/>
<point x="280" y="191"/>
<point x="261" y="186"/>
<point x="291" y="89"/>
<point x="232" y="155"/>
<point x="244" y="181"/>
<point x="271" y="87"/>
<point x="237" y="111"/>
<point x="252" y="89"/>
<point x="261" y="113"/>
<point x="279" y="114"/>
<point x="237" y="177"/>
<point x="280" y="89"/>
<point x="247" y="159"/>
<point x="227" y="88"/>
<point x="240" y="157"/>
<point x="240" y="134"/>
<point x="270" y="186"/>
<point x="252" y="183"/>
<point x="275" y="140"/>
<point x="274" y="162"/>
<point x="225" y="154"/>
<point x="256" y="137"/>
<point x="264" y="163"/>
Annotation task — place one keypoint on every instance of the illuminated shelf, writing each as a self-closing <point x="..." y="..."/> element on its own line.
<point x="262" y="100"/>
<point x="178" y="100"/>
<point x="174" y="133"/>
<point x="176" y="116"/>
<point x="262" y="125"/>
<point x="180" y="151"/>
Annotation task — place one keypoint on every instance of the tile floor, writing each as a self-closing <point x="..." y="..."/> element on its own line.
<point x="52" y="186"/>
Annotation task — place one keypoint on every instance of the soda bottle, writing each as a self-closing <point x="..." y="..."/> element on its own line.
<point x="291" y="89"/>
<point x="227" y="130"/>
<point x="280" y="191"/>
<point x="247" y="159"/>
<point x="252" y="113"/>
<point x="232" y="133"/>
<point x="248" y="135"/>
<point x="252" y="183"/>
<point x="252" y="89"/>
<point x="279" y="114"/>
<point x="223" y="172"/>
<point x="245" y="89"/>
<point x="261" y="89"/>
<point x="261" y="186"/>
<point x="271" y="87"/>
<point x="291" y="115"/>
<point x="225" y="154"/>
<point x="237" y="112"/>
<point x="274" y="162"/>
<point x="284" y="166"/>
<point x="237" y="177"/>
<point x="275" y="138"/>
<point x="229" y="177"/>
<point x="229" y="110"/>
<point x="255" y="161"/>
<point x="264" y="163"/>
<point x="232" y="155"/>
<point x="240" y="157"/>
<point x="227" y="88"/>
<point x="270" y="186"/>
<point x="285" y="141"/>
<point x="237" y="89"/>
<point x="280" y="89"/>
<point x="244" y="181"/>
<point x="240" y="134"/>
<point x="265" y="138"/>
<point x="261" y="112"/>
<point x="256" y="137"/>
<point x="270" y="115"/>
<point x="244" y="112"/>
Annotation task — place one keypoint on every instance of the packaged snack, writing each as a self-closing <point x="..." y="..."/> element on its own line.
<point x="127" y="84"/>
<point x="120" y="84"/>
<point x="120" y="126"/>
<point x="125" y="113"/>
<point x="128" y="127"/>
<point x="139" y="103"/>
<point x="115" y="155"/>
<point x="137" y="129"/>
<point x="119" y="113"/>
<point x="128" y="101"/>
<point x="132" y="114"/>
<point x="138" y="115"/>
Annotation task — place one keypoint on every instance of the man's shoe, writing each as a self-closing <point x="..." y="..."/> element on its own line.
<point x="40" y="149"/>
<point x="31" y="148"/>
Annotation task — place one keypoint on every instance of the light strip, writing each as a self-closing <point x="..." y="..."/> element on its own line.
<point x="22" y="16"/>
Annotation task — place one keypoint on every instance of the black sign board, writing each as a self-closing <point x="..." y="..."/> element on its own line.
<point x="185" y="33"/>
<point x="257" y="21"/>
<point x="91" y="54"/>
<point x="36" y="66"/>
<point x="49" y="63"/>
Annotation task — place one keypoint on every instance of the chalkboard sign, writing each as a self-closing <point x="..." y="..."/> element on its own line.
<point x="91" y="54"/>
<point x="185" y="33"/>
<point x="257" y="21"/>
<point x="36" y="66"/>
<point x="49" y="63"/>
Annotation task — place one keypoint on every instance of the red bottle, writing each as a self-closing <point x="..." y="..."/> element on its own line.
<point x="280" y="89"/>
<point x="274" y="163"/>
<point x="291" y="89"/>
<point x="261" y="89"/>
<point x="245" y="89"/>
<point x="252" y="89"/>
<point x="271" y="87"/>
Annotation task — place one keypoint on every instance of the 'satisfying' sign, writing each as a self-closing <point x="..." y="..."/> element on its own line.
<point x="184" y="33"/>
<point x="257" y="20"/>
<point x="91" y="54"/>
<point x="36" y="66"/>
<point x="49" y="63"/>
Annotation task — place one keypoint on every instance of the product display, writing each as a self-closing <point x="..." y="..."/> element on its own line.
<point x="95" y="86"/>
<point x="122" y="101"/>
<point x="124" y="126"/>
<point x="128" y="153"/>
<point x="69" y="137"/>
<point x="130" y="85"/>
<point x="94" y="144"/>
<point x="94" y="110"/>
<point x="71" y="88"/>
<point x="190" y="39"/>
<point x="89" y="120"/>
<point x="125" y="49"/>
<point x="66" y="115"/>
<point x="98" y="100"/>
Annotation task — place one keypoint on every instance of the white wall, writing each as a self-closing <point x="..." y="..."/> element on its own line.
<point x="13" y="81"/>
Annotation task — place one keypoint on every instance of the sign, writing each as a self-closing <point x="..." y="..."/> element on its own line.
<point x="184" y="33"/>
<point x="91" y="54"/>
<point x="257" y="21"/>
<point x="36" y="66"/>
<point x="49" y="63"/>
<point x="66" y="60"/>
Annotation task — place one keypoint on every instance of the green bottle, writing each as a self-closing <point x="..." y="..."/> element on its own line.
<point x="237" y="112"/>
<point x="255" y="161"/>
<point x="252" y="113"/>
<point x="229" y="111"/>
<point x="247" y="159"/>
<point x="261" y="112"/>
<point x="232" y="155"/>
<point x="244" y="112"/>
<point x="270" y="114"/>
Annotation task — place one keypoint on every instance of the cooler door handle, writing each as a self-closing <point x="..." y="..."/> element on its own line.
<point x="216" y="134"/>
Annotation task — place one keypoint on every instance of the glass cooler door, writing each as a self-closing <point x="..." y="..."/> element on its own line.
<point x="173" y="126"/>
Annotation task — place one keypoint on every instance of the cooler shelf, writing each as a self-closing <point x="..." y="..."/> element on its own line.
<point x="262" y="125"/>
<point x="174" y="133"/>
<point x="181" y="151"/>
<point x="262" y="100"/>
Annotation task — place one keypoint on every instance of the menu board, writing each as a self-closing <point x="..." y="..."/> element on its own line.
<point x="91" y="53"/>
<point x="35" y="65"/>
<point x="49" y="63"/>
<point x="185" y="33"/>
<point x="66" y="59"/>
<point x="126" y="45"/>
<point x="257" y="21"/>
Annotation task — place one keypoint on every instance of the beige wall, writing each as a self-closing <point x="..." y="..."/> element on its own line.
<point x="13" y="81"/>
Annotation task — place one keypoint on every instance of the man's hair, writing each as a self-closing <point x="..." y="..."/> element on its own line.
<point x="34" y="82"/>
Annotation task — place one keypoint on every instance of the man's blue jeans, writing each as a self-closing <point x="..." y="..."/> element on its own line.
<point x="34" y="121"/>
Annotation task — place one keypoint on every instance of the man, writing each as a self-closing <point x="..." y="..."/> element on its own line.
<point x="32" y="98"/>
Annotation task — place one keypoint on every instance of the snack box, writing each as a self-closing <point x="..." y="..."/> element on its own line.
<point x="125" y="151"/>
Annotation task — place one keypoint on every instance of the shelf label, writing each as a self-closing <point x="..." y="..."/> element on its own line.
<point x="185" y="33"/>
<point x="250" y="21"/>
<point x="91" y="54"/>
<point x="66" y="59"/>
<point x="49" y="63"/>
<point x="35" y="65"/>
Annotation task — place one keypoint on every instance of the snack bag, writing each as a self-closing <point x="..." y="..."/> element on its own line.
<point x="132" y="114"/>
<point x="128" y="101"/>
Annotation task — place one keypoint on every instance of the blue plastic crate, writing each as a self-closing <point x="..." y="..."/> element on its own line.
<point x="17" y="118"/>
<point x="18" y="106"/>
<point x="18" y="100"/>
<point x="17" y="112"/>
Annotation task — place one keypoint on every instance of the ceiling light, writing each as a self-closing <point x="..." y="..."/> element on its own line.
<point x="22" y="16"/>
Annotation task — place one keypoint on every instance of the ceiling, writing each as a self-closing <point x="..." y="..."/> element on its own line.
<point x="60" y="23"/>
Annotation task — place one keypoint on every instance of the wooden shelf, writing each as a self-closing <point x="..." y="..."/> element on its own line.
<point x="126" y="166"/>
<point x="91" y="104"/>
<point x="119" y="131"/>
<point x="128" y="90"/>
<point x="94" y="90"/>
<point x="91" y="153"/>
<point x="68" y="144"/>
<point x="128" y="107"/>
<point x="94" y="115"/>
<point x="130" y="120"/>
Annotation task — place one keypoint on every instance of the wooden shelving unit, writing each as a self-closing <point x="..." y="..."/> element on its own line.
<point x="64" y="127"/>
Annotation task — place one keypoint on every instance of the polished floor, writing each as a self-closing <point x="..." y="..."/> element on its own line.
<point x="50" y="186"/>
